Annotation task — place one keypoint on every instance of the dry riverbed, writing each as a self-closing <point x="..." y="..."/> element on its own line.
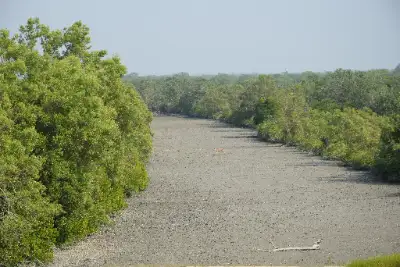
<point x="232" y="207"/>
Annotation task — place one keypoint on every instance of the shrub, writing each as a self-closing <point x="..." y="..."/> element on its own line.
<point x="379" y="261"/>
<point x="388" y="160"/>
<point x="74" y="140"/>
<point x="354" y="136"/>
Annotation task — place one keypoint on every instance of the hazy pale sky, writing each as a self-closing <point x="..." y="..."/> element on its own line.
<point x="239" y="36"/>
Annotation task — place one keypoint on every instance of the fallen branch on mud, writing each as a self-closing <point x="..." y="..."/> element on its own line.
<point x="313" y="247"/>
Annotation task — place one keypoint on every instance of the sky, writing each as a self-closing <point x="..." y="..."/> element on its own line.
<point x="228" y="36"/>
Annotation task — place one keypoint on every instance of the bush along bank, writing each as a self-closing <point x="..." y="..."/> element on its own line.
<point x="352" y="116"/>
<point x="74" y="140"/>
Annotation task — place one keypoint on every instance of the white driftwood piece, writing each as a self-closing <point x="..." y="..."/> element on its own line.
<point x="313" y="247"/>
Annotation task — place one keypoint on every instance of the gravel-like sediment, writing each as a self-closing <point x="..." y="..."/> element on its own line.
<point x="211" y="208"/>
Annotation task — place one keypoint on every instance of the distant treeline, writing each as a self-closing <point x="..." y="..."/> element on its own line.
<point x="352" y="116"/>
<point x="74" y="140"/>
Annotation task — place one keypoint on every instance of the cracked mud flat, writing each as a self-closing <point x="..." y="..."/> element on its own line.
<point x="210" y="208"/>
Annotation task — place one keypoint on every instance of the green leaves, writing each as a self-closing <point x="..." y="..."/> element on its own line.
<point x="26" y="215"/>
<point x="74" y="140"/>
<point x="388" y="162"/>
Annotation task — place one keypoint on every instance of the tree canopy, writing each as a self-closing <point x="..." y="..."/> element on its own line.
<point x="74" y="139"/>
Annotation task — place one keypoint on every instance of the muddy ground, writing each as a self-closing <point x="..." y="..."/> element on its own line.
<point x="232" y="207"/>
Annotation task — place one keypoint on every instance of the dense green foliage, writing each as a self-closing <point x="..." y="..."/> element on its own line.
<point x="379" y="261"/>
<point x="74" y="139"/>
<point x="352" y="116"/>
